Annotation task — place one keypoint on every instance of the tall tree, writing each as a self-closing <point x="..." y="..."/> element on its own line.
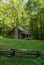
<point x="33" y="8"/>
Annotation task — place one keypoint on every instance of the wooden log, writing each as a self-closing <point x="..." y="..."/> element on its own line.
<point x="20" y="52"/>
<point x="25" y="53"/>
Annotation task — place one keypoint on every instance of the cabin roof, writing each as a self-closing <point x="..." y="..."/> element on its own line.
<point x="23" y="30"/>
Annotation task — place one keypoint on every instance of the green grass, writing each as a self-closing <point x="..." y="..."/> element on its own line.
<point x="25" y="44"/>
<point x="21" y="61"/>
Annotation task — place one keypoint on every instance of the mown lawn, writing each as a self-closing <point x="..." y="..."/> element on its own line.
<point x="25" y="44"/>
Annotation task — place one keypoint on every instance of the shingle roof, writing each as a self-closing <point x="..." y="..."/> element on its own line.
<point x="23" y="30"/>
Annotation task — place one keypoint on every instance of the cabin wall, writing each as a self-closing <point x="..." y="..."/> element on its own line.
<point x="16" y="33"/>
<point x="19" y="34"/>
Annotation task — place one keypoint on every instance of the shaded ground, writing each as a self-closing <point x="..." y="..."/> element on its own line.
<point x="21" y="61"/>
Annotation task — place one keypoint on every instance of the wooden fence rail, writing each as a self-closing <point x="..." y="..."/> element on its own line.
<point x="21" y="53"/>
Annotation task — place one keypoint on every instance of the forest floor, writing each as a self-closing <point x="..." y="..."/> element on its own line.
<point x="21" y="44"/>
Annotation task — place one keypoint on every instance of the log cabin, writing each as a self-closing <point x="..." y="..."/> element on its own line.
<point x="19" y="33"/>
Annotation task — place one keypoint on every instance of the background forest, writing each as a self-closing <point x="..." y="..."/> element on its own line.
<point x="28" y="14"/>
